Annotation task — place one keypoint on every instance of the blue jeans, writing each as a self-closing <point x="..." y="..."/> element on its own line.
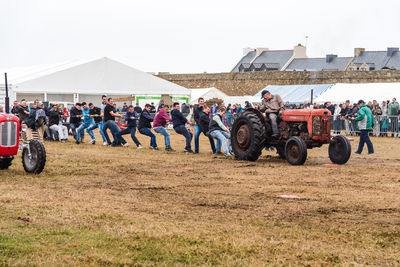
<point x="163" y="131"/>
<point x="102" y="126"/>
<point x="221" y="140"/>
<point x="81" y="131"/>
<point x="74" y="126"/>
<point x="364" y="138"/>
<point x="153" y="140"/>
<point x="115" y="131"/>
<point x="197" y="132"/>
<point x="132" y="131"/>
<point x="94" y="126"/>
<point x="188" y="135"/>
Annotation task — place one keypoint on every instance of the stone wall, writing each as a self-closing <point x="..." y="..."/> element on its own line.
<point x="249" y="83"/>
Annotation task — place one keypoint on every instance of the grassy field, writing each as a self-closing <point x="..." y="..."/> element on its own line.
<point x="96" y="205"/>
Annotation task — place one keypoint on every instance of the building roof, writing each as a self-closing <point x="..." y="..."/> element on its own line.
<point x="247" y="59"/>
<point x="380" y="58"/>
<point x="99" y="76"/>
<point x="276" y="57"/>
<point x="394" y="61"/>
<point x="319" y="64"/>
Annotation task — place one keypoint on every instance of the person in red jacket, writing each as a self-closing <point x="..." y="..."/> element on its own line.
<point x="160" y="120"/>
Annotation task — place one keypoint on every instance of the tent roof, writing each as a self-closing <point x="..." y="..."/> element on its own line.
<point x="341" y="92"/>
<point x="296" y="93"/>
<point x="206" y="93"/>
<point x="99" y="76"/>
<point x="241" y="99"/>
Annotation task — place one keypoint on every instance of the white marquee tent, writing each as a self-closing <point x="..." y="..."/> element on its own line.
<point x="206" y="93"/>
<point x="87" y="80"/>
<point x="241" y="100"/>
<point x="341" y="92"/>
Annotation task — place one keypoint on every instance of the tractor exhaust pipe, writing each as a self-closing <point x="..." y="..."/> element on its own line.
<point x="7" y="100"/>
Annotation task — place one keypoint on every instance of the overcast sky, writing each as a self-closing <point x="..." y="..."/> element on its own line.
<point x="188" y="36"/>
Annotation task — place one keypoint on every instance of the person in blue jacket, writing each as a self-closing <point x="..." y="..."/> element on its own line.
<point x="131" y="117"/>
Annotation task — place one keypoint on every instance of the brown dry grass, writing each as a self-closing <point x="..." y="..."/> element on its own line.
<point x="96" y="205"/>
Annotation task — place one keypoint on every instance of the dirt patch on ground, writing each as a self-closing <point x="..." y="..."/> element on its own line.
<point x="96" y="205"/>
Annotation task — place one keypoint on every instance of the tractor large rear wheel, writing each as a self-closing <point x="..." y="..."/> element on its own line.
<point x="5" y="163"/>
<point x="34" y="161"/>
<point x="339" y="149"/>
<point x="296" y="151"/>
<point x="248" y="136"/>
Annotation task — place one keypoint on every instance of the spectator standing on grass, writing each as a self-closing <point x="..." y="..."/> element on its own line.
<point x="376" y="112"/>
<point x="116" y="108"/>
<point x="87" y="122"/>
<point x="124" y="108"/>
<point x="138" y="109"/>
<point x="385" y="124"/>
<point x="14" y="109"/>
<point x="145" y="126"/>
<point x="220" y="132"/>
<point x="197" y="130"/>
<point x="214" y="108"/>
<point x="229" y="115"/>
<point x="160" y="120"/>
<point x="384" y="108"/>
<point x="204" y="123"/>
<point x="131" y="118"/>
<point x="152" y="108"/>
<point x="40" y="120"/>
<point x="75" y="119"/>
<point x="365" y="123"/>
<point x="56" y="125"/>
<point x="247" y="104"/>
<point x="179" y="121"/>
<point x="393" y="112"/>
<point x="95" y="113"/>
<point x="336" y="119"/>
<point x="288" y="106"/>
<point x="109" y="122"/>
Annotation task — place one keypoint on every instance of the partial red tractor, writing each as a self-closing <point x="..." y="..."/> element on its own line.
<point x="33" y="151"/>
<point x="299" y="130"/>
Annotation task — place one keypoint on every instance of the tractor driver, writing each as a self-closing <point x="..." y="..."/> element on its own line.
<point x="272" y="105"/>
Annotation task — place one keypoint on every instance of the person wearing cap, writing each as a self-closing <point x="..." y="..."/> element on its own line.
<point x="75" y="119"/>
<point x="365" y="121"/>
<point x="272" y="105"/>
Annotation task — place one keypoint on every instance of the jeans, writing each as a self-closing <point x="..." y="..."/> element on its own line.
<point x="94" y="126"/>
<point x="153" y="140"/>
<point x="115" y="131"/>
<point x="81" y="130"/>
<point x="163" y="131"/>
<point x="394" y="124"/>
<point x="364" y="138"/>
<point x="132" y="131"/>
<point x="273" y="117"/>
<point x="221" y="140"/>
<point x="188" y="135"/>
<point x="74" y="126"/>
<point x="230" y="120"/>
<point x="336" y="125"/>
<point x="61" y="129"/>
<point x="103" y="129"/>
<point x="197" y="132"/>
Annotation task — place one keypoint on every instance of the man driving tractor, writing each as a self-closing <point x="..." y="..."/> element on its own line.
<point x="272" y="105"/>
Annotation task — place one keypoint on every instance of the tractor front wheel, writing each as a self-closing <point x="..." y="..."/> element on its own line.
<point x="296" y="151"/>
<point x="34" y="158"/>
<point x="339" y="149"/>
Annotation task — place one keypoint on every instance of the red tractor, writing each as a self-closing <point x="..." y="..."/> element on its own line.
<point x="298" y="131"/>
<point x="33" y="151"/>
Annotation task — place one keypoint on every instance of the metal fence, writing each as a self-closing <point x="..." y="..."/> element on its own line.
<point x="383" y="126"/>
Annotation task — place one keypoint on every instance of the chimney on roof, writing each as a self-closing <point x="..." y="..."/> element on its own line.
<point x="330" y="57"/>
<point x="391" y="50"/>
<point x="259" y="50"/>
<point x="247" y="50"/>
<point x="358" y="51"/>
<point x="300" y="51"/>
